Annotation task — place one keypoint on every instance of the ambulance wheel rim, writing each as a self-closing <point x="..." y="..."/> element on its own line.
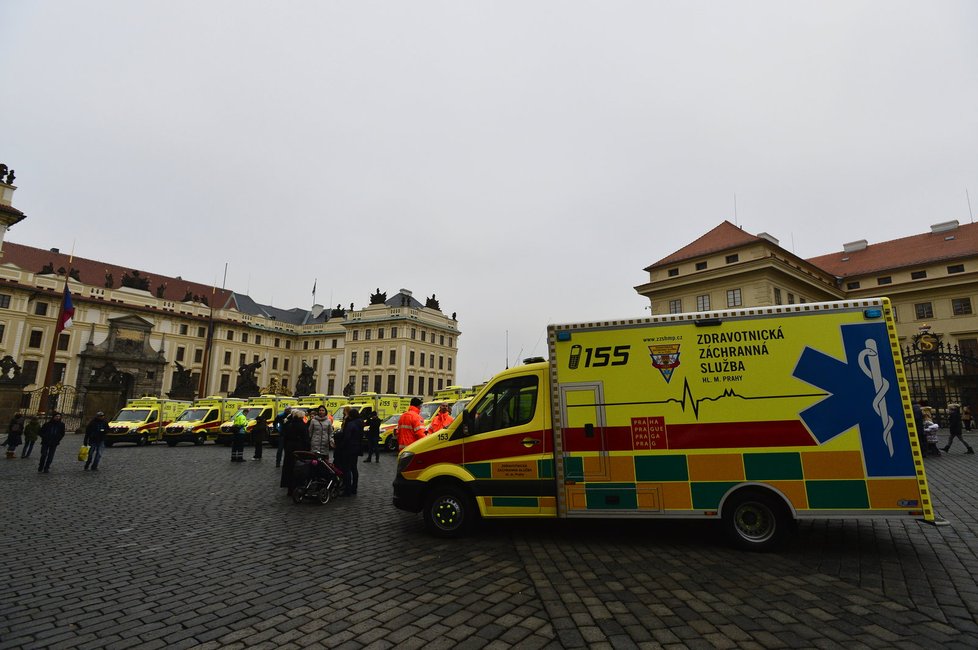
<point x="448" y="512"/>
<point x="755" y="522"/>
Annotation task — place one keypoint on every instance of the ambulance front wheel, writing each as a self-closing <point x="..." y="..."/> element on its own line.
<point x="756" y="520"/>
<point x="449" y="511"/>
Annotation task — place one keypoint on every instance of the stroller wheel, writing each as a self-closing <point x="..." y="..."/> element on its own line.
<point x="336" y="489"/>
<point x="325" y="494"/>
<point x="298" y="494"/>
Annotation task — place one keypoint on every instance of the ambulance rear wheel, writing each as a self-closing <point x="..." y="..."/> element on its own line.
<point x="171" y="443"/>
<point x="756" y="520"/>
<point x="391" y="443"/>
<point x="449" y="511"/>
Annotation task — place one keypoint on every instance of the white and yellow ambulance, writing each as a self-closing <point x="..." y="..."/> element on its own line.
<point x="753" y="417"/>
<point x="201" y="421"/>
<point x="142" y="420"/>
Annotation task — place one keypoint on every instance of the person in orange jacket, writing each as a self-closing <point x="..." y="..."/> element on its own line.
<point x="441" y="420"/>
<point x="410" y="426"/>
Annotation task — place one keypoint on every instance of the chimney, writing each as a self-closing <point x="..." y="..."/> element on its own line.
<point x="853" y="246"/>
<point x="771" y="238"/>
<point x="945" y="226"/>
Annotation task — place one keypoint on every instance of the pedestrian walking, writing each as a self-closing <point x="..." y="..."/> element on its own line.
<point x="259" y="433"/>
<point x="372" y="424"/>
<point x="95" y="434"/>
<point x="410" y="426"/>
<point x="954" y="427"/>
<point x="295" y="434"/>
<point x="15" y="433"/>
<point x="31" y="431"/>
<point x="321" y="432"/>
<point x="279" y="424"/>
<point x="51" y="435"/>
<point x="240" y="429"/>
<point x="348" y="445"/>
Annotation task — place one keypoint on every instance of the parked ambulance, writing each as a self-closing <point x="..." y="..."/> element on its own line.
<point x="753" y="417"/>
<point x="142" y="420"/>
<point x="201" y="421"/>
<point x="264" y="405"/>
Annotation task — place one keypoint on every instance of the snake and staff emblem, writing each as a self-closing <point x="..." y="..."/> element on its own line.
<point x="869" y="363"/>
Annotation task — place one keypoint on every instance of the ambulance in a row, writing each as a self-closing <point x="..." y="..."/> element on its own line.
<point x="267" y="406"/>
<point x="201" y="421"/>
<point x="753" y="417"/>
<point x="142" y="420"/>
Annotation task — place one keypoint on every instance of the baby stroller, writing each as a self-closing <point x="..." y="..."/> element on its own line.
<point x="316" y="477"/>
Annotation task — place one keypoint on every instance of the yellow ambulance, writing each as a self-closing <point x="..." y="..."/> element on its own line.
<point x="753" y="417"/>
<point x="142" y="420"/>
<point x="201" y="421"/>
<point x="264" y="405"/>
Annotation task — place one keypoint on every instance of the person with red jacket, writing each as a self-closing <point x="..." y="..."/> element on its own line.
<point x="441" y="420"/>
<point x="410" y="426"/>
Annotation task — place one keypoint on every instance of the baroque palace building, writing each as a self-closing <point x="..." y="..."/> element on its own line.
<point x="151" y="334"/>
<point x="931" y="279"/>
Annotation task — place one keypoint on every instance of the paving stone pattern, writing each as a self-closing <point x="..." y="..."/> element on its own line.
<point x="179" y="548"/>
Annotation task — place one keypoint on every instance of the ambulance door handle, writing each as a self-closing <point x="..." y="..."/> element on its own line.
<point x="588" y="430"/>
<point x="529" y="442"/>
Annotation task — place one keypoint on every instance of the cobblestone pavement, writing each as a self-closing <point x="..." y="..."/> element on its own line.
<point x="180" y="548"/>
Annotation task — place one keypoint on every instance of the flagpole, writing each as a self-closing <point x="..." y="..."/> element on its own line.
<point x="208" y="344"/>
<point x="42" y="409"/>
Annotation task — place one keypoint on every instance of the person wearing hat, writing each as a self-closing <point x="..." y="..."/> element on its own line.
<point x="95" y="434"/>
<point x="51" y="434"/>
<point x="954" y="427"/>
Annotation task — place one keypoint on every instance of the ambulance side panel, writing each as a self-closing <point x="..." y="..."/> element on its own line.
<point x="671" y="416"/>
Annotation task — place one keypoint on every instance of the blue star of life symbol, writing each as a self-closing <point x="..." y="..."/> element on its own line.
<point x="863" y="392"/>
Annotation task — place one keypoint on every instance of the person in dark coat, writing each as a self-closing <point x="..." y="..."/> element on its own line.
<point x="279" y="424"/>
<point x="372" y="424"/>
<point x="348" y="449"/>
<point x="954" y="427"/>
<point x="15" y="432"/>
<point x="259" y="433"/>
<point x="295" y="437"/>
<point x="31" y="431"/>
<point x="51" y="434"/>
<point x="95" y="434"/>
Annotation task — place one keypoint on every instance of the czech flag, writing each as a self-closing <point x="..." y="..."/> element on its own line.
<point x="67" y="312"/>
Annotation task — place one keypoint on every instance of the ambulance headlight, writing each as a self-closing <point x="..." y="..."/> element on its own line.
<point x="404" y="460"/>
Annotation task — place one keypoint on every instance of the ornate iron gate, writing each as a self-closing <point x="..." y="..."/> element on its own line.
<point x="942" y="375"/>
<point x="59" y="397"/>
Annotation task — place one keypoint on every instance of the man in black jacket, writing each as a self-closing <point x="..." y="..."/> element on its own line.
<point x="51" y="434"/>
<point x="95" y="434"/>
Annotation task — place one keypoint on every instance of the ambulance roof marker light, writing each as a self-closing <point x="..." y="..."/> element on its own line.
<point x="875" y="312"/>
<point x="563" y="335"/>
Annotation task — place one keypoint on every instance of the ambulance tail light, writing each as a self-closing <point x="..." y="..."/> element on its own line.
<point x="707" y="322"/>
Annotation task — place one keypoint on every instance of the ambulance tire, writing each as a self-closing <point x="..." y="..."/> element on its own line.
<point x="171" y="443"/>
<point x="199" y="440"/>
<point x="391" y="444"/>
<point x="756" y="520"/>
<point x="449" y="511"/>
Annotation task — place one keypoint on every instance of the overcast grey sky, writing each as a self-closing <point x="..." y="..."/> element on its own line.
<point x="522" y="160"/>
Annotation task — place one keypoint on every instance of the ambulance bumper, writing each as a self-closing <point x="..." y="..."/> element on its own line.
<point x="408" y="495"/>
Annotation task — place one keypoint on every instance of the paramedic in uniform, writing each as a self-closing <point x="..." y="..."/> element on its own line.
<point x="441" y="420"/>
<point x="410" y="427"/>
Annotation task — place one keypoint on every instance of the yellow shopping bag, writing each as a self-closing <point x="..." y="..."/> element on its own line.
<point x="83" y="453"/>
